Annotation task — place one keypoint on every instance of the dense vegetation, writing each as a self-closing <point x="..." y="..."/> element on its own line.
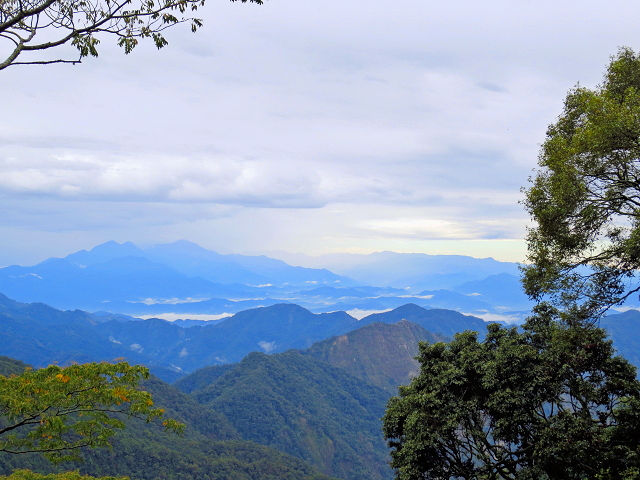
<point x="306" y="408"/>
<point x="551" y="401"/>
<point x="29" y="475"/>
<point x="293" y="402"/>
<point x="58" y="411"/>
<point x="241" y="417"/>
<point x="584" y="249"/>
<point x="210" y="448"/>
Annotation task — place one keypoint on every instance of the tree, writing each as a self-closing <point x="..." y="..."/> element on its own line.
<point x="584" y="250"/>
<point x="57" y="411"/>
<point x="28" y="26"/>
<point x="550" y="402"/>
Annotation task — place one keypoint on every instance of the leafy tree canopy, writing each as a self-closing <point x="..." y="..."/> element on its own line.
<point x="56" y="411"/>
<point x="585" y="199"/>
<point x="28" y="26"/>
<point x="550" y="402"/>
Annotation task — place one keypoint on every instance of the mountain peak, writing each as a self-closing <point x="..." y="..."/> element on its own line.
<point x="409" y="308"/>
<point x="104" y="252"/>
<point x="284" y="308"/>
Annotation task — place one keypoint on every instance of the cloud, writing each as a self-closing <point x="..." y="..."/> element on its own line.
<point x="362" y="123"/>
<point x="267" y="347"/>
<point x="509" y="318"/>
<point x="117" y="178"/>
<point x="359" y="314"/>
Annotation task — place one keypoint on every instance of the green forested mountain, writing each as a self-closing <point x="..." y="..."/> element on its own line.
<point x="381" y="354"/>
<point x="210" y="449"/>
<point x="316" y="409"/>
<point x="322" y="404"/>
<point x="41" y="335"/>
<point x="304" y="407"/>
<point x="270" y="329"/>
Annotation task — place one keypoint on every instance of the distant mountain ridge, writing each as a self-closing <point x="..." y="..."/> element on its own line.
<point x="436" y="321"/>
<point x="114" y="272"/>
<point x="417" y="270"/>
<point x="38" y="334"/>
<point x="183" y="278"/>
<point x="624" y="329"/>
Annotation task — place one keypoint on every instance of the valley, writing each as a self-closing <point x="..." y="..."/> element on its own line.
<point x="293" y="387"/>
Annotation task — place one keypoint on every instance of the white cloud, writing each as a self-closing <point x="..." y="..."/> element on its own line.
<point x="370" y="123"/>
<point x="510" y="318"/>
<point x="359" y="314"/>
<point x="267" y="347"/>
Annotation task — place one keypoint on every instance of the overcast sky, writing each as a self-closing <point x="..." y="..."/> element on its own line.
<point x="300" y="126"/>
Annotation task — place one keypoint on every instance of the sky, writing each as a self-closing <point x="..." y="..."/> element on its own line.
<point x="301" y="127"/>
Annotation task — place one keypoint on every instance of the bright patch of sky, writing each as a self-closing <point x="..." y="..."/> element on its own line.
<point x="303" y="127"/>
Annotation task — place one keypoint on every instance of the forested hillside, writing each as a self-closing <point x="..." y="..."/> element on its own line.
<point x="210" y="449"/>
<point x="381" y="354"/>
<point x="304" y="407"/>
<point x="290" y="415"/>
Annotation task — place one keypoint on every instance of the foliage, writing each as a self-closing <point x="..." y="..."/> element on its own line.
<point x="58" y="410"/>
<point x="209" y="449"/>
<point x="29" y="475"/>
<point x="37" y="25"/>
<point x="585" y="199"/>
<point x="550" y="402"/>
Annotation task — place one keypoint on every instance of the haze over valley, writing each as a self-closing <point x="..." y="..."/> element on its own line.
<point x="182" y="280"/>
